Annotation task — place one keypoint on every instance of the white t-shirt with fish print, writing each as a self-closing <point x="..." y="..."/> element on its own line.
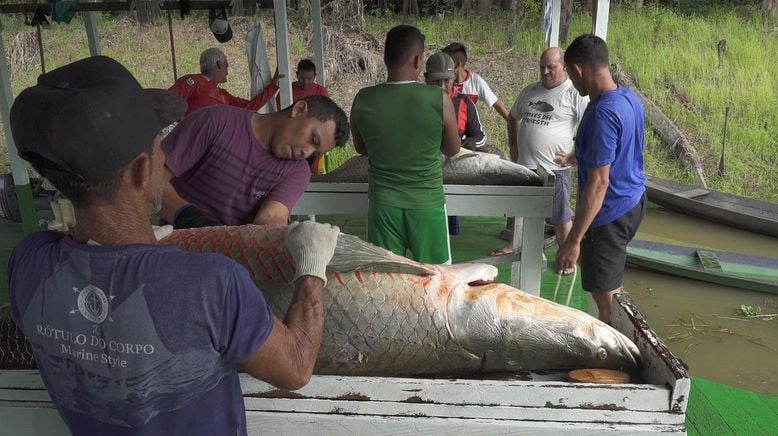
<point x="548" y="120"/>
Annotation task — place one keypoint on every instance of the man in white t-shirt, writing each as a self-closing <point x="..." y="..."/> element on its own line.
<point x="472" y="84"/>
<point x="541" y="124"/>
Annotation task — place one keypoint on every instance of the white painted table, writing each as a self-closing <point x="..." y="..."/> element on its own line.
<point x="530" y="403"/>
<point x="530" y="204"/>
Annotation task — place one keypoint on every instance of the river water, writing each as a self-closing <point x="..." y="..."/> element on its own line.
<point x="699" y="321"/>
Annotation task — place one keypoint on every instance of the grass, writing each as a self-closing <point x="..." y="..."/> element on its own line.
<point x="671" y="54"/>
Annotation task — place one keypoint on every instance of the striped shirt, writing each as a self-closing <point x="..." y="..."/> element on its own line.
<point x="221" y="167"/>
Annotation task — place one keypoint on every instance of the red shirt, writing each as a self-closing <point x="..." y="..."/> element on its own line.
<point x="200" y="92"/>
<point x="297" y="92"/>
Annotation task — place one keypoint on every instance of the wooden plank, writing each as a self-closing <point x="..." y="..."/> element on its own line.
<point x="390" y="409"/>
<point x="659" y="365"/>
<point x="26" y="420"/>
<point x="636" y="397"/>
<point x="692" y="193"/>
<point x="703" y="419"/>
<point x="317" y="424"/>
<point x="112" y="6"/>
<point x="744" y="411"/>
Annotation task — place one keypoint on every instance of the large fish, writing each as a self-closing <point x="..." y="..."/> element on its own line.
<point x="387" y="315"/>
<point x="467" y="168"/>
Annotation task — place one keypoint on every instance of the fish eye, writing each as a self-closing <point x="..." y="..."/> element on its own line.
<point x="602" y="354"/>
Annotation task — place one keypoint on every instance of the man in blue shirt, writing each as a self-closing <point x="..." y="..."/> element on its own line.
<point x="611" y="185"/>
<point x="130" y="337"/>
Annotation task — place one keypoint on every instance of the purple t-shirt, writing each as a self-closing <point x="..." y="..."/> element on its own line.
<point x="221" y="167"/>
<point x="611" y="132"/>
<point x="137" y="339"/>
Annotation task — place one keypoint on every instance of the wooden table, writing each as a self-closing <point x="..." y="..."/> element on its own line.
<point x="529" y="204"/>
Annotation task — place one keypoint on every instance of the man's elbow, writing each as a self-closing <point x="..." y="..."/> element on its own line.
<point x="298" y="380"/>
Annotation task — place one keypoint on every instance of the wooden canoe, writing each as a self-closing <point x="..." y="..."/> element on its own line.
<point x="723" y="268"/>
<point x="733" y="210"/>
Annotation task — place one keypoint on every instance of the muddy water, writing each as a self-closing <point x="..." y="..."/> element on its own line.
<point x="699" y="321"/>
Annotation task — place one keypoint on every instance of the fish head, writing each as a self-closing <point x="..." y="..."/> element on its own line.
<point x="509" y="329"/>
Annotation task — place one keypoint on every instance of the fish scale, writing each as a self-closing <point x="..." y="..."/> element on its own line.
<point x="387" y="315"/>
<point x="367" y="330"/>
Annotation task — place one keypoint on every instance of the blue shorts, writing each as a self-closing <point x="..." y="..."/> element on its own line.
<point x="560" y="210"/>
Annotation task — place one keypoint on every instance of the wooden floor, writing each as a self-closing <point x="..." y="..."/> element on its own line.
<point x="713" y="408"/>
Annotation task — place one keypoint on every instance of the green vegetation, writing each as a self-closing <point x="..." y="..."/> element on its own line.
<point x="671" y="55"/>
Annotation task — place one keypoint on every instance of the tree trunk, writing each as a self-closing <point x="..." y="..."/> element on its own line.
<point x="668" y="132"/>
<point x="484" y="7"/>
<point x="770" y="8"/>
<point x="565" y="18"/>
<point x="505" y="5"/>
<point x="467" y="5"/>
<point x="518" y="11"/>
<point x="410" y="7"/>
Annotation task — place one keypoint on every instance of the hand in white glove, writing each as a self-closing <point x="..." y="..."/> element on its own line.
<point x="311" y="245"/>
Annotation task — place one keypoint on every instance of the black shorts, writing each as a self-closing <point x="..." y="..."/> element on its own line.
<point x="604" y="250"/>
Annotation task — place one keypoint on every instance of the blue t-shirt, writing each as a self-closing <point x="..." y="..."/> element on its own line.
<point x="138" y="339"/>
<point x="611" y="132"/>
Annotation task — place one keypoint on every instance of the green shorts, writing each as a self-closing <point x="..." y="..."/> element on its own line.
<point x="423" y="232"/>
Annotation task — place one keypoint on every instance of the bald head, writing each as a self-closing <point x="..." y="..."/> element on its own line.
<point x="552" y="68"/>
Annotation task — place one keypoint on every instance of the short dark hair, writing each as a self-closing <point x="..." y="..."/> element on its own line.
<point x="589" y="50"/>
<point x="458" y="53"/>
<point x="83" y="193"/>
<point x="324" y="109"/>
<point x="402" y="43"/>
<point x="306" y="65"/>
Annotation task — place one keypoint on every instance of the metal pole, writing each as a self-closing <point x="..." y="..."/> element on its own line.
<point x="282" y="52"/>
<point x="172" y="45"/>
<point x="18" y="166"/>
<point x="556" y="18"/>
<point x="90" y="20"/>
<point x="722" y="169"/>
<point x="318" y="43"/>
<point x="600" y="18"/>
<point x="40" y="48"/>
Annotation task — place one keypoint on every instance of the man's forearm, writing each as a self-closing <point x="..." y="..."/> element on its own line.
<point x="588" y="207"/>
<point x="305" y="319"/>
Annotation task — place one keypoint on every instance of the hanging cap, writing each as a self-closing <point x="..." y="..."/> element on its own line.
<point x="217" y="21"/>
<point x="439" y="66"/>
<point x="89" y="119"/>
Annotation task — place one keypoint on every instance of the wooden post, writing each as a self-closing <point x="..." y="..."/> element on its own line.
<point x="722" y="169"/>
<point x="18" y="166"/>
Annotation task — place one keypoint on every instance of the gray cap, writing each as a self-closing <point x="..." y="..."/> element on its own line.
<point x="439" y="66"/>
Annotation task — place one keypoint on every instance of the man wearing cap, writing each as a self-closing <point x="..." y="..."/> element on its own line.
<point x="202" y="90"/>
<point x="403" y="126"/>
<point x="131" y="337"/>
<point x="439" y="71"/>
<point x="231" y="166"/>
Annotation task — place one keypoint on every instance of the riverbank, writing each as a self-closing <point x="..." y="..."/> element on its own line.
<point x="672" y="56"/>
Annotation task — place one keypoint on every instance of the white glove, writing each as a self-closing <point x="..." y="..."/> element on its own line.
<point x="161" y="232"/>
<point x="311" y="245"/>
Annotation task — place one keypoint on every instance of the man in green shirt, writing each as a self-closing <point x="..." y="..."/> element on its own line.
<point x="402" y="126"/>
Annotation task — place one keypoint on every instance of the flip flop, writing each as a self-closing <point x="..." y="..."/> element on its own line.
<point x="501" y="251"/>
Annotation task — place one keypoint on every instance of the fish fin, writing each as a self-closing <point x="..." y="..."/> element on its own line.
<point x="353" y="254"/>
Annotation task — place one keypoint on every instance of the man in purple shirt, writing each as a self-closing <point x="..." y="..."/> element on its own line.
<point x="228" y="165"/>
<point x="131" y="337"/>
